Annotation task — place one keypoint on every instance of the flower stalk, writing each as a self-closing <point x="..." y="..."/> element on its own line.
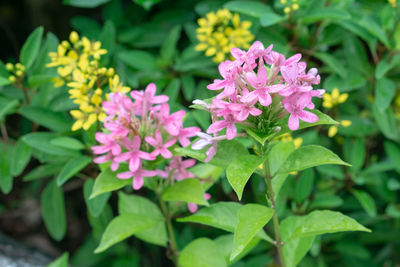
<point x="278" y="239"/>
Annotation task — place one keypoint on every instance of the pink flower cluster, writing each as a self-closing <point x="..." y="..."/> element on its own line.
<point x="139" y="131"/>
<point x="260" y="82"/>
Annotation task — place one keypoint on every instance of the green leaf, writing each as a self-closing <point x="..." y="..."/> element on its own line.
<point x="239" y="171"/>
<point x="225" y="244"/>
<point x="137" y="59"/>
<point x="61" y="261"/>
<point x="323" y="222"/>
<point x="20" y="157"/>
<point x="67" y="142"/>
<point x="221" y="215"/>
<point x="393" y="151"/>
<point x="270" y="18"/>
<point x="226" y="152"/>
<point x="386" y="122"/>
<point x="122" y="227"/>
<point x="95" y="205"/>
<point x="251" y="219"/>
<point x="41" y="142"/>
<point x="294" y="250"/>
<point x="85" y="3"/>
<point x="304" y="185"/>
<point x="39" y="79"/>
<point x="7" y="106"/>
<point x="251" y="8"/>
<point x="31" y="47"/>
<point x="385" y="65"/>
<point x="333" y="63"/>
<point x="188" y="87"/>
<point x="187" y="190"/>
<point x="326" y="13"/>
<point x="169" y="48"/>
<point x="354" y="153"/>
<point x="366" y="201"/>
<point x="42" y="171"/>
<point x="371" y="24"/>
<point x="53" y="210"/>
<point x="72" y="167"/>
<point x="146" y="4"/>
<point x="278" y="155"/>
<point x="385" y="90"/>
<point x="201" y="252"/>
<point x="53" y="120"/>
<point x="107" y="181"/>
<point x="133" y="204"/>
<point x="309" y="156"/>
<point x="6" y="178"/>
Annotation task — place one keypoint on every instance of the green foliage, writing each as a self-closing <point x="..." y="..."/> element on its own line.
<point x="187" y="190"/>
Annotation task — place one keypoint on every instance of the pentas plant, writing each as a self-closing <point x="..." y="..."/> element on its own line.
<point x="264" y="96"/>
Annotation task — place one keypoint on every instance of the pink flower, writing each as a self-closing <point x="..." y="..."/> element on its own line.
<point x="179" y="167"/>
<point x="145" y="100"/>
<point x="109" y="144"/>
<point x="133" y="155"/>
<point x="259" y="82"/>
<point x="160" y="148"/>
<point x="173" y="122"/>
<point x="295" y="105"/>
<point x="228" y="71"/>
<point x="228" y="122"/>
<point x="137" y="177"/>
<point x="206" y="140"/>
<point x="105" y="158"/>
<point x="185" y="133"/>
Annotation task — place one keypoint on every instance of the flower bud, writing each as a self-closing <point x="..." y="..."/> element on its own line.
<point x="65" y="44"/>
<point x="19" y="73"/>
<point x="73" y="37"/>
<point x="110" y="72"/>
<point x="9" y="66"/>
<point x="12" y="78"/>
<point x="276" y="129"/>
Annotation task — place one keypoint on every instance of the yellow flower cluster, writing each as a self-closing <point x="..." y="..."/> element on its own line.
<point x="287" y="137"/>
<point x="219" y="32"/>
<point x="290" y="7"/>
<point x="334" y="99"/>
<point x="77" y="62"/>
<point x="16" y="71"/>
<point x="334" y="128"/>
<point x="393" y="3"/>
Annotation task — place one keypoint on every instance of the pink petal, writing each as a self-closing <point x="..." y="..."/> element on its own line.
<point x="137" y="182"/>
<point x="125" y="175"/>
<point x="192" y="207"/>
<point x="308" y="116"/>
<point x="293" y="122"/>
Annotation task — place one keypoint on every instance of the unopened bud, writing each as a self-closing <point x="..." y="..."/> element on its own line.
<point x="276" y="129"/>
<point x="74" y="37"/>
<point x="19" y="73"/>
<point x="313" y="71"/>
<point x="295" y="6"/>
<point x="12" y="78"/>
<point x="65" y="44"/>
<point x="9" y="66"/>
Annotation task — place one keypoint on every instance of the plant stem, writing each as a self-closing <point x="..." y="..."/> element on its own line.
<point x="171" y="235"/>
<point x="275" y="218"/>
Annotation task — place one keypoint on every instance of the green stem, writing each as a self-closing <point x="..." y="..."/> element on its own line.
<point x="275" y="218"/>
<point x="171" y="236"/>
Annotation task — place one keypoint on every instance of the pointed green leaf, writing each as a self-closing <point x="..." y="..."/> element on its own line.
<point x="122" y="227"/>
<point x="187" y="190"/>
<point x="20" y="157"/>
<point x="6" y="178"/>
<point x="134" y="204"/>
<point x="239" y="171"/>
<point x="201" y="252"/>
<point x="41" y="142"/>
<point x="251" y="219"/>
<point x="278" y="155"/>
<point x="270" y="18"/>
<point x="309" y="156"/>
<point x="42" y="172"/>
<point x="107" y="181"/>
<point x="168" y="49"/>
<point x="61" y="261"/>
<point x="67" y="142"/>
<point x="7" y="106"/>
<point x="138" y="59"/>
<point x="251" y="8"/>
<point x="72" y="167"/>
<point x="366" y="201"/>
<point x="55" y="121"/>
<point x="31" y="47"/>
<point x="53" y="210"/>
<point x="393" y="151"/>
<point x="325" y="221"/>
<point x="97" y="204"/>
<point x="385" y="90"/>
<point x="294" y="250"/>
<point x="225" y="244"/>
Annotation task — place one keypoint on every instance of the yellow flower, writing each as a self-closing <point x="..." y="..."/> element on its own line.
<point x="116" y="86"/>
<point x="287" y="10"/>
<point x="334" y="128"/>
<point x="334" y="99"/>
<point x="220" y="31"/>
